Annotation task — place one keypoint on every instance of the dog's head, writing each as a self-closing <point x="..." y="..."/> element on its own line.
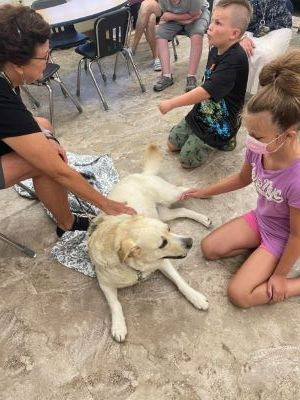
<point x="143" y="241"/>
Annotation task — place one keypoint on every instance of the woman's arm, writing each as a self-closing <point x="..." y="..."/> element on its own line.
<point x="228" y="184"/>
<point x="44" y="157"/>
<point x="277" y="284"/>
<point x="192" y="97"/>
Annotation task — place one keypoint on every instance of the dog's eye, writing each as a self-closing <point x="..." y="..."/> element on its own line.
<point x="163" y="244"/>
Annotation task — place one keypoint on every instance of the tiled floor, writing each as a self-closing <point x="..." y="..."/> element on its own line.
<point x="55" y="341"/>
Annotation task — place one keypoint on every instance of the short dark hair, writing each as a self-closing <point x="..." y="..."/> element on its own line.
<point x="21" y="30"/>
<point x="243" y="14"/>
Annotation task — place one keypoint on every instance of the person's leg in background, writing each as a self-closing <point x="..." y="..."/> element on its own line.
<point x="151" y="39"/>
<point x="146" y="21"/>
<point x="165" y="33"/>
<point x="196" y="31"/>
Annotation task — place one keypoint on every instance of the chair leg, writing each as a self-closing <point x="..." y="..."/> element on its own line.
<point x="175" y="40"/>
<point x="115" y="67"/>
<point x="97" y="86"/>
<point x="129" y="57"/>
<point x="48" y="86"/>
<point x="58" y="78"/>
<point x="101" y="71"/>
<point x="18" y="246"/>
<point x="33" y="101"/>
<point x="75" y="101"/>
<point x="83" y="60"/>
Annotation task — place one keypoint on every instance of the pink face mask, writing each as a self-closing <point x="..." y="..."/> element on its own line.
<point x="258" y="147"/>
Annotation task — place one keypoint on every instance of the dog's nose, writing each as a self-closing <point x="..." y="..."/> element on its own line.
<point x="188" y="242"/>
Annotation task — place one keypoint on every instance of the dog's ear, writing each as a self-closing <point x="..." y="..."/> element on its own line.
<point x="127" y="249"/>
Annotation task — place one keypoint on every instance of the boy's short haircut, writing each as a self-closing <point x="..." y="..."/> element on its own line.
<point x="242" y="14"/>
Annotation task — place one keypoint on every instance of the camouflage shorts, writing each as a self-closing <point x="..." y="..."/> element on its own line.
<point x="193" y="151"/>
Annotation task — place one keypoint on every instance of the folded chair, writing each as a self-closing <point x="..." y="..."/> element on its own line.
<point x="111" y="37"/>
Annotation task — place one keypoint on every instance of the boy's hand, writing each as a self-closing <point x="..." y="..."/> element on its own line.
<point x="277" y="288"/>
<point x="248" y="45"/>
<point x="165" y="106"/>
<point x="196" y="193"/>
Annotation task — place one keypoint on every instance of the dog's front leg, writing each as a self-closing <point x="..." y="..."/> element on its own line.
<point x="196" y="298"/>
<point x="168" y="214"/>
<point x="118" y="324"/>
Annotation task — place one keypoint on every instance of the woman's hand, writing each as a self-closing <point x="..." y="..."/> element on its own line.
<point x="165" y="106"/>
<point x="196" y="193"/>
<point x="60" y="150"/>
<point x="112" y="207"/>
<point x="248" y="45"/>
<point x="277" y="288"/>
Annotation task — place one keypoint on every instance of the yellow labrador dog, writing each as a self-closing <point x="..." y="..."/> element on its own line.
<point x="126" y="249"/>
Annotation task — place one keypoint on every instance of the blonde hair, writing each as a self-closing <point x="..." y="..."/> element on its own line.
<point x="242" y="14"/>
<point x="280" y="91"/>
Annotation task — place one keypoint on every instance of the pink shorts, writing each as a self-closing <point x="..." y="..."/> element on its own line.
<point x="265" y="243"/>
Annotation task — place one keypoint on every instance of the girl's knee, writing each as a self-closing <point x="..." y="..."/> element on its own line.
<point x="208" y="249"/>
<point x="237" y="296"/>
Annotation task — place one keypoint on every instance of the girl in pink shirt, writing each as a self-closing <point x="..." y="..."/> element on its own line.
<point x="272" y="163"/>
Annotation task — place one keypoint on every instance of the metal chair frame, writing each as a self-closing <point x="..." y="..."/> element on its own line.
<point x="98" y="56"/>
<point x="24" y="249"/>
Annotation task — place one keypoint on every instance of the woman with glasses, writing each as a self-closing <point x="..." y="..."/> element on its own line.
<point x="27" y="147"/>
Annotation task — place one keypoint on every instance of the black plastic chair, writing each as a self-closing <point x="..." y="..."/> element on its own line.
<point x="50" y="75"/>
<point x="65" y="36"/>
<point x="111" y="37"/>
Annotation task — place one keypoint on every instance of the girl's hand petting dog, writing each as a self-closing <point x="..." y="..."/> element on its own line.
<point x="196" y="193"/>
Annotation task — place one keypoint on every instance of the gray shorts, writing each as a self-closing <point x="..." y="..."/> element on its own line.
<point x="193" y="151"/>
<point x="169" y="30"/>
<point x="2" y="182"/>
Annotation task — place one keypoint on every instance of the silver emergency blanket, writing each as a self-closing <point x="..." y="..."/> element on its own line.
<point x="71" y="249"/>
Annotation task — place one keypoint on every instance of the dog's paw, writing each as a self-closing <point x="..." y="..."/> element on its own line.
<point x="207" y="222"/>
<point x="198" y="300"/>
<point x="119" y="331"/>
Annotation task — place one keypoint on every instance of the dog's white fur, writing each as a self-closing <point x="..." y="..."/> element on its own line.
<point x="126" y="249"/>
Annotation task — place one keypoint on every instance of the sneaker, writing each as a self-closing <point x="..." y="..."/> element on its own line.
<point x="80" y="223"/>
<point x="156" y="65"/>
<point x="162" y="83"/>
<point x="191" y="83"/>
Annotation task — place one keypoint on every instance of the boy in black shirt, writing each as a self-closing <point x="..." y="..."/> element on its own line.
<point x="214" y="120"/>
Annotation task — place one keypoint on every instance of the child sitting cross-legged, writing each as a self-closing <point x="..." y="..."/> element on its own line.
<point x="272" y="163"/>
<point x="214" y="120"/>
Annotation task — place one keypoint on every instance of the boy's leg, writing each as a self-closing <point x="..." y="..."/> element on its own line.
<point x="178" y="136"/>
<point x="196" y="31"/>
<point x="148" y="7"/>
<point x="194" y="152"/>
<point x="150" y="35"/>
<point x="195" y="53"/>
<point x="164" y="33"/>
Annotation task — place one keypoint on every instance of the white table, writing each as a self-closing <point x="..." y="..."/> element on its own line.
<point x="75" y="11"/>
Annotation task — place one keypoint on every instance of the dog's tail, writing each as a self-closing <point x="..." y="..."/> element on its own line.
<point x="152" y="160"/>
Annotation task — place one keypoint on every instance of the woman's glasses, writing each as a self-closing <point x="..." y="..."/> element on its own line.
<point x="45" y="58"/>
